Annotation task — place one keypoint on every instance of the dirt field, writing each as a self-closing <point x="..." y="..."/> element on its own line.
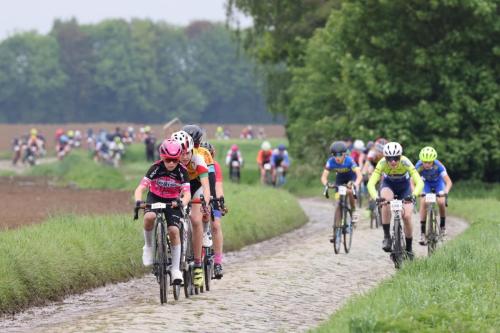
<point x="9" y="131"/>
<point x="31" y="200"/>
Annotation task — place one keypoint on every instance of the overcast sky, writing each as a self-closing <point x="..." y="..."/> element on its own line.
<point x="25" y="15"/>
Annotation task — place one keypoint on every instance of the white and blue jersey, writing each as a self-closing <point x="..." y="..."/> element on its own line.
<point x="345" y="170"/>
<point x="434" y="177"/>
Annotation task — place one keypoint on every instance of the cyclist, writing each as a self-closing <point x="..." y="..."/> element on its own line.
<point x="358" y="152"/>
<point x="435" y="177"/>
<point x="216" y="226"/>
<point x="234" y="155"/>
<point x="150" y="143"/>
<point x="347" y="172"/>
<point x="198" y="178"/>
<point x="396" y="171"/>
<point x="196" y="133"/>
<point x="166" y="180"/>
<point x="279" y="158"/>
<point x="264" y="158"/>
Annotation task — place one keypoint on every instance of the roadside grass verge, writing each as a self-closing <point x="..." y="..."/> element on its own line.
<point x="70" y="254"/>
<point x="456" y="290"/>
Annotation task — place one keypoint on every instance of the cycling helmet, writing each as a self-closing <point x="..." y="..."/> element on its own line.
<point x="359" y="145"/>
<point x="393" y="149"/>
<point x="338" y="147"/>
<point x="428" y="154"/>
<point x="147" y="129"/>
<point x="208" y="146"/>
<point x="369" y="145"/>
<point x="34" y="132"/>
<point x="195" y="132"/>
<point x="281" y="147"/>
<point x="117" y="139"/>
<point x="379" y="147"/>
<point x="170" y="148"/>
<point x="265" y="145"/>
<point x="184" y="140"/>
<point x="234" y="148"/>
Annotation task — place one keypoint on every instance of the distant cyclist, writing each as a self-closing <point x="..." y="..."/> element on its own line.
<point x="234" y="160"/>
<point x="264" y="160"/>
<point x="395" y="171"/>
<point x="435" y="177"/>
<point x="166" y="181"/>
<point x="280" y="162"/>
<point x="347" y="172"/>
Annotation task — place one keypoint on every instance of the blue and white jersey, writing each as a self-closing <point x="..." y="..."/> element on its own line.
<point x="434" y="174"/>
<point x="346" y="168"/>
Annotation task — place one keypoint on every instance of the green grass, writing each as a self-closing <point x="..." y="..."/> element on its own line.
<point x="79" y="170"/>
<point x="456" y="290"/>
<point x="70" y="254"/>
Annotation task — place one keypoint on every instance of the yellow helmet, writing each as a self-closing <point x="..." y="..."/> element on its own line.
<point x="428" y="154"/>
<point x="34" y="131"/>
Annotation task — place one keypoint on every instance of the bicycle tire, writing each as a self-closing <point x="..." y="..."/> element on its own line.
<point x="372" y="216"/>
<point x="176" y="288"/>
<point x="161" y="257"/>
<point x="348" y="231"/>
<point x="378" y="217"/>
<point x="398" y="245"/>
<point x="208" y="269"/>
<point x="337" y="236"/>
<point x="432" y="235"/>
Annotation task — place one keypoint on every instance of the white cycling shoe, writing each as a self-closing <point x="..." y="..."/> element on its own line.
<point x="147" y="255"/>
<point x="176" y="276"/>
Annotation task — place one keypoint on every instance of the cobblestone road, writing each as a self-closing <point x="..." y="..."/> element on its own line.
<point x="287" y="284"/>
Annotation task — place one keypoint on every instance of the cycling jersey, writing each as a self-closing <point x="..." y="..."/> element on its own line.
<point x="164" y="183"/>
<point x="278" y="158"/>
<point x="218" y="172"/>
<point x="197" y="167"/>
<point x="433" y="174"/>
<point x="400" y="174"/>
<point x="207" y="157"/>
<point x="345" y="170"/>
<point x="264" y="156"/>
<point x="373" y="157"/>
<point x="355" y="155"/>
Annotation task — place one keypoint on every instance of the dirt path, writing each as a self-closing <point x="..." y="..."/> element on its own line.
<point x="287" y="284"/>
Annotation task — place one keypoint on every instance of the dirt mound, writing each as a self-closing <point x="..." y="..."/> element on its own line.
<point x="32" y="200"/>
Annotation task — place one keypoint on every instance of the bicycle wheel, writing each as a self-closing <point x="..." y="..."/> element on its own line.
<point x="188" y="282"/>
<point x="177" y="291"/>
<point x="432" y="233"/>
<point x="348" y="230"/>
<point x="378" y="217"/>
<point x="208" y="263"/>
<point x="397" y="254"/>
<point x="161" y="257"/>
<point x="337" y="235"/>
<point x="373" y="220"/>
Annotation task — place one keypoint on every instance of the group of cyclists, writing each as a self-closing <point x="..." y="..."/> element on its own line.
<point x="186" y="171"/>
<point x="28" y="148"/>
<point x="387" y="173"/>
<point x="273" y="164"/>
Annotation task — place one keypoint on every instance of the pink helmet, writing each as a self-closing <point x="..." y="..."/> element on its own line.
<point x="170" y="149"/>
<point x="234" y="148"/>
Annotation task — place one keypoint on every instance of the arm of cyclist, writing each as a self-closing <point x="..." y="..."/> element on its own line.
<point x="359" y="177"/>
<point x="324" y="177"/>
<point x="417" y="180"/>
<point x="448" y="184"/>
<point x="206" y="188"/>
<point x="375" y="177"/>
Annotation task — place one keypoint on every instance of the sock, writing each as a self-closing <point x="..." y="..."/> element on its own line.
<point x="176" y="256"/>
<point x="197" y="263"/>
<point x="148" y="238"/>
<point x="408" y="244"/>
<point x="422" y="227"/>
<point x="387" y="230"/>
<point x="443" y="222"/>
<point x="218" y="258"/>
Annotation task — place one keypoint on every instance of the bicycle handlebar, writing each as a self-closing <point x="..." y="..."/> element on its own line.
<point x="336" y="188"/>
<point x="145" y="205"/>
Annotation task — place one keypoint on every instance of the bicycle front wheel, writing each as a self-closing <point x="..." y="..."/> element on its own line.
<point x="432" y="232"/>
<point x="348" y="231"/>
<point x="337" y="236"/>
<point x="161" y="260"/>
<point x="398" y="245"/>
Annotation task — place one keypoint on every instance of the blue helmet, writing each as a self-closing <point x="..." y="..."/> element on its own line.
<point x="281" y="147"/>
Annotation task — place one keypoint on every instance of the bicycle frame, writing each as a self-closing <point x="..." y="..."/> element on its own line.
<point x="340" y="225"/>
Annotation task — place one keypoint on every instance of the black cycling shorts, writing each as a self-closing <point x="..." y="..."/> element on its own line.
<point x="172" y="215"/>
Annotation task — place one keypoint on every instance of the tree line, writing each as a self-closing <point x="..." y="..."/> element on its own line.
<point x="137" y="71"/>
<point x="418" y="72"/>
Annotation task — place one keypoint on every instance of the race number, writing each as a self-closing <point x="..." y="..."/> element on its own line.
<point x="430" y="197"/>
<point x="396" y="205"/>
<point x="235" y="164"/>
<point x="342" y="190"/>
<point x="158" y="205"/>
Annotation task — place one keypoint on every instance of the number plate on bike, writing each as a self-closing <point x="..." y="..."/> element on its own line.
<point x="396" y="205"/>
<point x="342" y="190"/>
<point x="158" y="205"/>
<point x="430" y="197"/>
<point x="235" y="163"/>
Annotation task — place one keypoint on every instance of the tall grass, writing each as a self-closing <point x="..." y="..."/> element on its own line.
<point x="456" y="290"/>
<point x="69" y="254"/>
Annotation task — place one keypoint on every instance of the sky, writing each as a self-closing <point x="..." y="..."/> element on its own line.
<point x="25" y="15"/>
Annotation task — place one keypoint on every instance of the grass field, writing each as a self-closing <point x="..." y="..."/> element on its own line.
<point x="456" y="290"/>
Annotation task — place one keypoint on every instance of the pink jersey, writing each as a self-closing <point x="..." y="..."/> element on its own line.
<point x="166" y="184"/>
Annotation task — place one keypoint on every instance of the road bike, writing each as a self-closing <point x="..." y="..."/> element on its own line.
<point x="398" y="242"/>
<point x="162" y="261"/>
<point x="342" y="227"/>
<point x="432" y="234"/>
<point x="234" y="171"/>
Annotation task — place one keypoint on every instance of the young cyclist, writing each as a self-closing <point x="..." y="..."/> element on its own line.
<point x="234" y="160"/>
<point x="263" y="158"/>
<point x="216" y="225"/>
<point x="396" y="171"/>
<point x="347" y="171"/>
<point x="279" y="158"/>
<point x="198" y="179"/>
<point x="435" y="177"/>
<point x="166" y="180"/>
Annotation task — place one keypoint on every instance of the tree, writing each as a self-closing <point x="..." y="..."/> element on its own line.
<point x="419" y="72"/>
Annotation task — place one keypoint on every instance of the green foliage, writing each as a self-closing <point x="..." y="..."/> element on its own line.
<point x="70" y="254"/>
<point x="136" y="70"/>
<point x="456" y="290"/>
<point x="421" y="73"/>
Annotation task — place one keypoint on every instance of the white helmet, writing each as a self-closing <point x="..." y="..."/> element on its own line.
<point x="359" y="145"/>
<point x="185" y="140"/>
<point x="393" y="149"/>
<point x="265" y="145"/>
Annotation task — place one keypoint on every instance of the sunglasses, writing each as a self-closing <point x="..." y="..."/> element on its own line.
<point x="393" y="158"/>
<point x="169" y="160"/>
<point x="338" y="154"/>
